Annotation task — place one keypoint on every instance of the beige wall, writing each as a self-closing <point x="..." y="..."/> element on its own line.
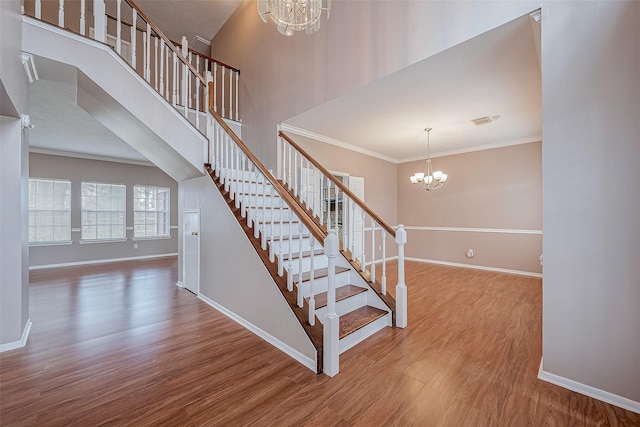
<point x="489" y="190"/>
<point x="78" y="170"/>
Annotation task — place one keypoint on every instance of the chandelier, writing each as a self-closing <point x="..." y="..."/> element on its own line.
<point x="429" y="180"/>
<point x="294" y="15"/>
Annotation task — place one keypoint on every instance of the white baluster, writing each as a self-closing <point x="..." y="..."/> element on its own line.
<point x="290" y="259"/>
<point x="271" y="213"/>
<point x="300" y="295"/>
<point x="119" y="27"/>
<point x="320" y="200"/>
<point x="155" y="64"/>
<point x="373" y="251"/>
<point x="175" y="78"/>
<point x="283" y="160"/>
<point x="312" y="300"/>
<point x="362" y="259"/>
<point x="39" y="9"/>
<point x="271" y="250"/>
<point x="237" y="99"/>
<point x="230" y="94"/>
<point x="328" y="202"/>
<point x="215" y="87"/>
<point x="148" y="54"/>
<point x="295" y="173"/>
<point x="133" y="40"/>
<point x="264" y="217"/>
<point x="331" y="335"/>
<point x="335" y="207"/>
<point x="256" y="233"/>
<point x="166" y="77"/>
<point x="83" y="23"/>
<point x="185" y="76"/>
<point x="306" y="190"/>
<point x="401" y="288"/>
<point x="243" y="205"/>
<point x="222" y="85"/>
<point x="144" y="55"/>
<point x="61" y="13"/>
<point x="384" y="263"/>
<point x="352" y="223"/>
<point x="345" y="215"/>
<point x="289" y="179"/>
<point x="190" y="77"/>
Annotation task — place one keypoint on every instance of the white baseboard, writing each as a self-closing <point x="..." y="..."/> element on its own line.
<point x="180" y="284"/>
<point x="306" y="361"/>
<point x="18" y="344"/>
<point x="596" y="393"/>
<point x="101" y="261"/>
<point x="476" y="267"/>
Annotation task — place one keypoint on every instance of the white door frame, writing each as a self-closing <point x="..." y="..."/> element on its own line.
<point x="184" y="251"/>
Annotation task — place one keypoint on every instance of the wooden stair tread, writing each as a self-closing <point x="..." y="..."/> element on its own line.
<point x="359" y="318"/>
<point x="305" y="254"/>
<point x="319" y="273"/>
<point x="343" y="292"/>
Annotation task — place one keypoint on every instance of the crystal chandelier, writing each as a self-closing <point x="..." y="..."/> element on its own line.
<point x="429" y="180"/>
<point x="294" y="15"/>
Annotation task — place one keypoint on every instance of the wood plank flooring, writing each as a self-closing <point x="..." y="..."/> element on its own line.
<point x="122" y="345"/>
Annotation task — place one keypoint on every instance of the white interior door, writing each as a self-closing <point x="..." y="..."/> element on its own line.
<point x="191" y="251"/>
<point x="356" y="185"/>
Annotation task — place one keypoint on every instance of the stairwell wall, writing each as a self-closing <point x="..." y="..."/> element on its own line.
<point x="233" y="276"/>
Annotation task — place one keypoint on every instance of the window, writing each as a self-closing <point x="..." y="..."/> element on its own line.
<point x="103" y="211"/>
<point x="49" y="210"/>
<point x="150" y="211"/>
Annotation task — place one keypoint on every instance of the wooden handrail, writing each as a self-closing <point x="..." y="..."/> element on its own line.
<point x="202" y="55"/>
<point x="315" y="230"/>
<point x="341" y="186"/>
<point x="166" y="39"/>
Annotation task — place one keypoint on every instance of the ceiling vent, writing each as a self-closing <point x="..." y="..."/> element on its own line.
<point x="484" y="120"/>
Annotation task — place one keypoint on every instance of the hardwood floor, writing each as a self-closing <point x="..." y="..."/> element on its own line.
<point x="122" y="345"/>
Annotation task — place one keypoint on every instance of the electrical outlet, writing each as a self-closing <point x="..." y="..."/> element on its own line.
<point x="135" y="246"/>
<point x="470" y="253"/>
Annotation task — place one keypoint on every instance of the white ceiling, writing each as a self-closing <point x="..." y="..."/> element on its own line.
<point x="496" y="73"/>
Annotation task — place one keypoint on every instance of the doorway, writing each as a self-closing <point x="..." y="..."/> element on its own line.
<point x="191" y="250"/>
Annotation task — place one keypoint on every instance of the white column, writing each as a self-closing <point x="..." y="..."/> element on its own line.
<point x="331" y="356"/>
<point x="99" y="22"/>
<point x="401" y="288"/>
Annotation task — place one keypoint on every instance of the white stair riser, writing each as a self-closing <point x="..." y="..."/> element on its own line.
<point x="319" y="261"/>
<point x="344" y="306"/>
<point x="363" y="333"/>
<point x="321" y="284"/>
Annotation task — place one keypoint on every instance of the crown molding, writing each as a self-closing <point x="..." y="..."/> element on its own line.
<point x="336" y="142"/>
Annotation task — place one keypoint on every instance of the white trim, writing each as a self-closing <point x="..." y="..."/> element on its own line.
<point x="23" y="340"/>
<point x="138" y="239"/>
<point x="476" y="267"/>
<point x="173" y="227"/>
<point x="295" y="354"/>
<point x="587" y="390"/>
<point x="61" y="243"/>
<point x="473" y="230"/>
<point x="379" y="261"/>
<point x="89" y="242"/>
<point x="331" y="141"/>
<point x="101" y="261"/>
<point x="180" y="284"/>
<point x="88" y="156"/>
<point x="508" y="143"/>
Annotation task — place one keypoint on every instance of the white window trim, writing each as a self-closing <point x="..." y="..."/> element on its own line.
<point x="109" y="240"/>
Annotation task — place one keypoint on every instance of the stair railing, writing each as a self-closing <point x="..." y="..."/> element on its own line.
<point x="334" y="205"/>
<point x="233" y="162"/>
<point x="123" y="26"/>
<point x="226" y="82"/>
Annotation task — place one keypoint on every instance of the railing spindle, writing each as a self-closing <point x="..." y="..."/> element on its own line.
<point x="237" y="98"/>
<point x="373" y="251"/>
<point x="38" y="8"/>
<point x="328" y="202"/>
<point x="401" y="287"/>
<point x="384" y="263"/>
<point x="134" y="26"/>
<point x="300" y="295"/>
<point x="119" y="27"/>
<point x="61" y="13"/>
<point x="83" y="23"/>
<point x="362" y="247"/>
<point x="222" y="97"/>
<point x="312" y="300"/>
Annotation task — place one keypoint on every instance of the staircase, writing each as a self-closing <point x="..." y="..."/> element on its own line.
<point x="317" y="260"/>
<point x="291" y="248"/>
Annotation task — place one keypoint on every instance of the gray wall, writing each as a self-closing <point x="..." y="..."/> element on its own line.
<point x="78" y="170"/>
<point x="232" y="274"/>
<point x="590" y="87"/>
<point x="14" y="171"/>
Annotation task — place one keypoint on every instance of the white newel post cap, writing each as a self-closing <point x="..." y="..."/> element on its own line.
<point x="331" y="243"/>
<point x="401" y="235"/>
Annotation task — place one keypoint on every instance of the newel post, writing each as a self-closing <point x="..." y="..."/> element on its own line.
<point x="401" y="288"/>
<point x="331" y="359"/>
<point x="99" y="21"/>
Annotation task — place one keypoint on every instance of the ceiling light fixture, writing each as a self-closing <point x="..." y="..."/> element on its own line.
<point x="429" y="180"/>
<point x="294" y="15"/>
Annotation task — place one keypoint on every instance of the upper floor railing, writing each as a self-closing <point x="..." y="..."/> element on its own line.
<point x="123" y="26"/>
